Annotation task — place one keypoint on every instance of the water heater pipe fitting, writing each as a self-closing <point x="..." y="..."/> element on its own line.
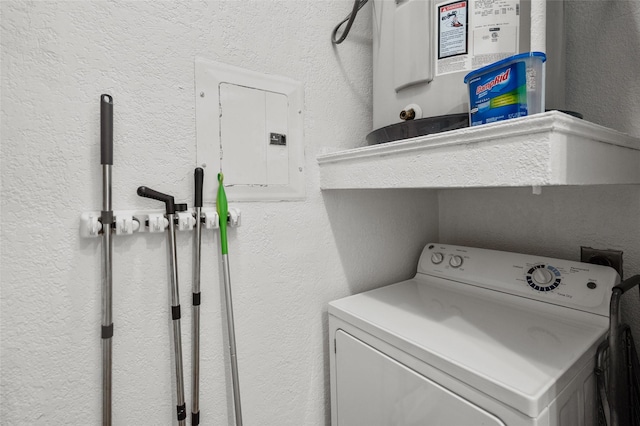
<point x="411" y="112"/>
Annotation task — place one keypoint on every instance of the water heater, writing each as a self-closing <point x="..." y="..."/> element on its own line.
<point x="422" y="49"/>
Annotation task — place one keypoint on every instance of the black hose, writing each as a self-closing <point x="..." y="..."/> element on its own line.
<point x="628" y="284"/>
<point x="357" y="5"/>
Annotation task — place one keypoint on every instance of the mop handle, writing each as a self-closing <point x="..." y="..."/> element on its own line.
<point x="106" y="159"/>
<point x="170" y="206"/>
<point x="168" y="200"/>
<point x="223" y="212"/>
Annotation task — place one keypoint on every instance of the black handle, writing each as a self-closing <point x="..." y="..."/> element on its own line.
<point x="199" y="177"/>
<point x="628" y="284"/>
<point x="168" y="200"/>
<point x="106" y="130"/>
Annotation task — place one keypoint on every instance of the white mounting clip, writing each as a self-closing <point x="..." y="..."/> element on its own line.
<point x="186" y="221"/>
<point x="126" y="225"/>
<point x="210" y="218"/>
<point x="157" y="222"/>
<point x="234" y="218"/>
<point x="90" y="225"/>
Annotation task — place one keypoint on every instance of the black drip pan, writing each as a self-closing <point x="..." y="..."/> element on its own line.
<point x="420" y="127"/>
<point x="427" y="126"/>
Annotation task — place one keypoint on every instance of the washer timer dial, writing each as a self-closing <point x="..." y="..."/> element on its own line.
<point x="455" y="261"/>
<point x="543" y="277"/>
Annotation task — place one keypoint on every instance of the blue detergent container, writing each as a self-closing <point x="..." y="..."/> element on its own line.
<point x="512" y="87"/>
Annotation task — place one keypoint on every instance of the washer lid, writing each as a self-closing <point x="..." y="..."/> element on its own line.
<point x="521" y="352"/>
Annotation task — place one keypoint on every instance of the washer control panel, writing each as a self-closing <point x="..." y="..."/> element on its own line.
<point x="572" y="284"/>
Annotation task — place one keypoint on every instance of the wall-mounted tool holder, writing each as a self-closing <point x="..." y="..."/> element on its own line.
<point x="128" y="222"/>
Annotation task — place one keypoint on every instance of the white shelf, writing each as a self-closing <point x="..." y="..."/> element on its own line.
<point x="545" y="149"/>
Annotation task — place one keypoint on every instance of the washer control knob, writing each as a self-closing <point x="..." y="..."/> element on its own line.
<point x="455" y="261"/>
<point x="437" y="258"/>
<point x="542" y="276"/>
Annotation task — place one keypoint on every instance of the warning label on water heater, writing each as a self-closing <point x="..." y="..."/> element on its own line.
<point x="472" y="34"/>
<point x="452" y="29"/>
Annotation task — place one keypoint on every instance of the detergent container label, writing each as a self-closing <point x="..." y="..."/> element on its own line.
<point x="499" y="94"/>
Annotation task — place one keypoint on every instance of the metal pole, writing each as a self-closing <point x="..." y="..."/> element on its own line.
<point x="175" y="315"/>
<point x="223" y="211"/>
<point x="195" y="328"/>
<point x="106" y="159"/>
<point x="107" y="321"/>
<point x="232" y="340"/>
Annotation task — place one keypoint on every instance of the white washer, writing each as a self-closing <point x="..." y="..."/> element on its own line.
<point x="477" y="337"/>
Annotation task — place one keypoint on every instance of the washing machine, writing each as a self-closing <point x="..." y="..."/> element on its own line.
<point x="477" y="337"/>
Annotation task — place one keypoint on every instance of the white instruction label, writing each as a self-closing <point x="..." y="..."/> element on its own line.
<point x="495" y="30"/>
<point x="475" y="33"/>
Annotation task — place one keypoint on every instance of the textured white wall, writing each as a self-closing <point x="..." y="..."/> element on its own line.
<point x="287" y="260"/>
<point x="602" y="83"/>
